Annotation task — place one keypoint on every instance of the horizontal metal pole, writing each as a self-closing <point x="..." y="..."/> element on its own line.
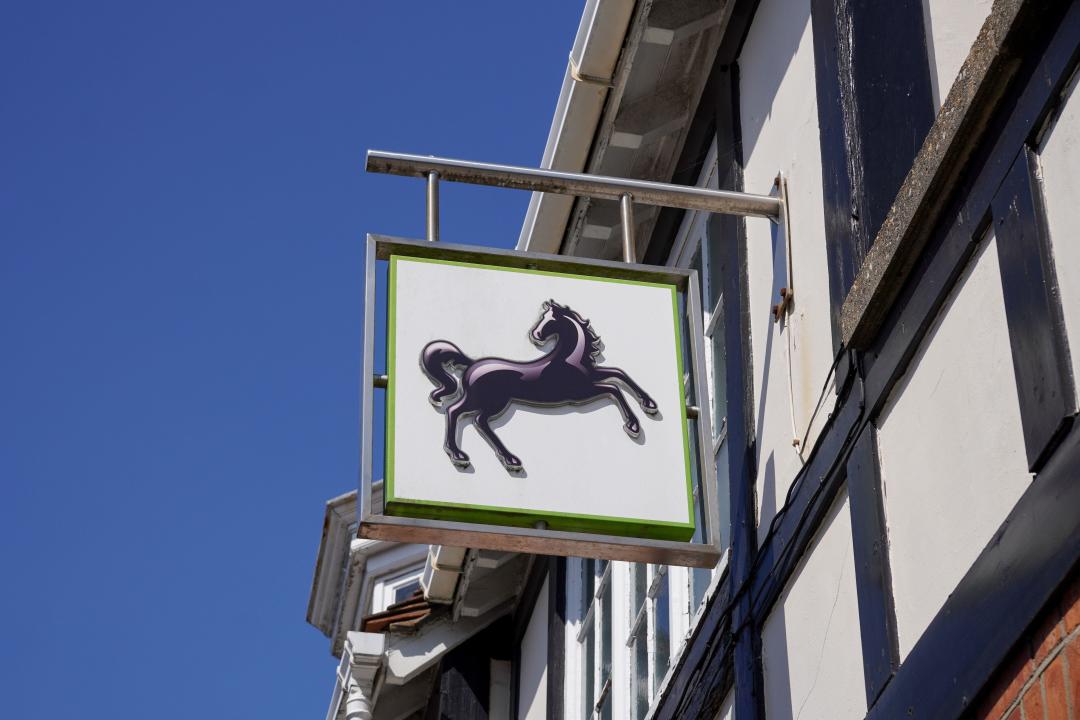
<point x="540" y="542"/>
<point x="645" y="192"/>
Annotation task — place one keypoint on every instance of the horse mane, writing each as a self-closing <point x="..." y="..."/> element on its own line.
<point x="596" y="345"/>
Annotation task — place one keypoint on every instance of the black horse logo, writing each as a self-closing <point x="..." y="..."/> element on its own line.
<point x="566" y="375"/>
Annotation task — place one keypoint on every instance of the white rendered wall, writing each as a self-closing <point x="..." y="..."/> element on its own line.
<point x="1060" y="159"/>
<point x="951" y="28"/>
<point x="952" y="448"/>
<point x="811" y="646"/>
<point x="780" y="133"/>
<point x="532" y="672"/>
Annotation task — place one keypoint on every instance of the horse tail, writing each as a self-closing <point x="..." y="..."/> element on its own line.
<point x="434" y="358"/>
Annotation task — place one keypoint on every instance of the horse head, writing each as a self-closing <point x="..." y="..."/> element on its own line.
<point x="548" y="323"/>
<point x="557" y="318"/>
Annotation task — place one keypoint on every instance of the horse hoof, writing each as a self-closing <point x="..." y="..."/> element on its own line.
<point x="512" y="463"/>
<point x="649" y="406"/>
<point x="459" y="458"/>
<point x="632" y="429"/>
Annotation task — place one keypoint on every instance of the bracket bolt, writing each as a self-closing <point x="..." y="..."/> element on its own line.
<point x="786" y="298"/>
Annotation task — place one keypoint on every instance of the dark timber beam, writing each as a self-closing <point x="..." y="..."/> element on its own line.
<point x="557" y="622"/>
<point x="875" y="106"/>
<point x="1040" y="348"/>
<point x="873" y="576"/>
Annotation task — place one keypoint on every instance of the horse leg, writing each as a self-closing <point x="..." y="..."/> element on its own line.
<point x="614" y="373"/>
<point x="510" y="461"/>
<point x="453" y="415"/>
<point x="631" y="426"/>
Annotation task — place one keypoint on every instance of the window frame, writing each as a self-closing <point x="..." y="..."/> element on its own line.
<point x="647" y="615"/>
<point x="690" y="240"/>
<point x="595" y="619"/>
<point x="384" y="591"/>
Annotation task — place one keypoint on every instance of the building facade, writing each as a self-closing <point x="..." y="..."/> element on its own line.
<point x="889" y="377"/>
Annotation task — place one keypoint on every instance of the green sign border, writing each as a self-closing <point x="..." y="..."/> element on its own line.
<point x="518" y="517"/>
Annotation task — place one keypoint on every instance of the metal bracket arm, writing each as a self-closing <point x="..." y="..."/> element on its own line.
<point x="644" y="192"/>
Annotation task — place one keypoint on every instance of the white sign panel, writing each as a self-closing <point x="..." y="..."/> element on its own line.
<point x="530" y="398"/>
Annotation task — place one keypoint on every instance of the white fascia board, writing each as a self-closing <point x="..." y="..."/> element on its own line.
<point x="410" y="655"/>
<point x="333" y="544"/>
<point x="369" y="560"/>
<point x="585" y="87"/>
<point x="440" y="578"/>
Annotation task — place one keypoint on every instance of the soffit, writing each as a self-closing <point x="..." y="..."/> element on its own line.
<point x="659" y="81"/>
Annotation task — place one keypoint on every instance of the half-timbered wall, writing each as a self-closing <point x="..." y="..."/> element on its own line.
<point x="885" y="561"/>
<point x="903" y="563"/>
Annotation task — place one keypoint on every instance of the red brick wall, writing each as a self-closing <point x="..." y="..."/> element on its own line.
<point x="1041" y="679"/>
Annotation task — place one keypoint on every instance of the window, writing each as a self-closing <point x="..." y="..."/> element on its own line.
<point x="626" y="624"/>
<point x="594" y="638"/>
<point x="706" y="262"/>
<point x="699" y="246"/>
<point x="395" y="589"/>
<point x="649" y="636"/>
<point x="712" y="303"/>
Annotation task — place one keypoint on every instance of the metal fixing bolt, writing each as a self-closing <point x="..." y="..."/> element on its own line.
<point x="787" y="296"/>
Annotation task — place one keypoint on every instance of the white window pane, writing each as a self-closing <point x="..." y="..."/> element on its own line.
<point x="699" y="583"/>
<point x="588" y="667"/>
<point x="641" y="672"/>
<point x="639" y="582"/>
<point x="605" y="711"/>
<point x="661" y="635"/>
<point x="404" y="592"/>
<point x="718" y="379"/>
<point x="605" y="632"/>
<point x="588" y="583"/>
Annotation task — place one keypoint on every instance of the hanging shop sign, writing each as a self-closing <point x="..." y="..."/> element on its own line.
<point x="537" y="403"/>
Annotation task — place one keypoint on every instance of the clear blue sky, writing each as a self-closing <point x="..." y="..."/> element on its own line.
<point x="182" y="212"/>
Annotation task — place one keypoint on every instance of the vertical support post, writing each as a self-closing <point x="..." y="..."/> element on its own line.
<point x="626" y="210"/>
<point x="874" y="109"/>
<point x="1040" y="346"/>
<point x="433" y="206"/>
<point x="873" y="575"/>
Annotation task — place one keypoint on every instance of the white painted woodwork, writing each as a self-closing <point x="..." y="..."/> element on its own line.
<point x="410" y="655"/>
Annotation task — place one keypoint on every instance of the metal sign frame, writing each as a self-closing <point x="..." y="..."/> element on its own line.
<point x="376" y="525"/>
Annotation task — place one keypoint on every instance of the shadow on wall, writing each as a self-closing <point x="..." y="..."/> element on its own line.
<point x="767" y="493"/>
<point x="767" y="490"/>
<point x="769" y="69"/>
